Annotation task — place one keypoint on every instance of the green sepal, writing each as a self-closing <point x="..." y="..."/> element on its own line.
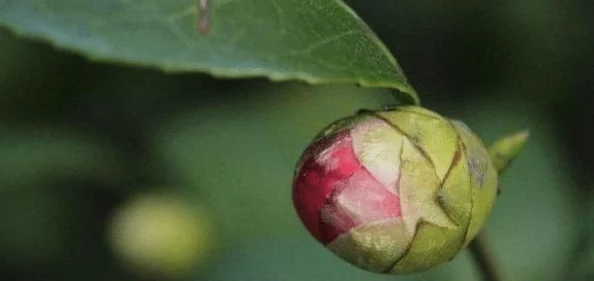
<point x="428" y="131"/>
<point x="438" y="238"/>
<point x="455" y="194"/>
<point x="375" y="246"/>
<point x="483" y="179"/>
<point x="506" y="149"/>
<point x="431" y="246"/>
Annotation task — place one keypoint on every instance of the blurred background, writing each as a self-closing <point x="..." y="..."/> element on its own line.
<point x="118" y="173"/>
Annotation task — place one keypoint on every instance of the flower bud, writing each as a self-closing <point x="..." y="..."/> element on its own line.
<point x="161" y="235"/>
<point x="395" y="191"/>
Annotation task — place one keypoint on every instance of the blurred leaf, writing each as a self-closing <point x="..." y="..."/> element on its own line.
<point x="579" y="267"/>
<point x="320" y="41"/>
<point x="34" y="226"/>
<point x="54" y="232"/>
<point x="44" y="156"/>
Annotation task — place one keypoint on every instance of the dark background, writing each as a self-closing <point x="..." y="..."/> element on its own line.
<point x="80" y="139"/>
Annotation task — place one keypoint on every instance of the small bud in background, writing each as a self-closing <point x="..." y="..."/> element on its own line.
<point x="160" y="235"/>
<point x="395" y="191"/>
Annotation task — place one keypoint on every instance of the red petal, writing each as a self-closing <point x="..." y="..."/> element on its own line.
<point x="333" y="193"/>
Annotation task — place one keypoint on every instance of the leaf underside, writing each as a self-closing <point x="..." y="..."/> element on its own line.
<point x="315" y="41"/>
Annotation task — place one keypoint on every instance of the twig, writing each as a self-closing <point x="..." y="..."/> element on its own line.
<point x="484" y="259"/>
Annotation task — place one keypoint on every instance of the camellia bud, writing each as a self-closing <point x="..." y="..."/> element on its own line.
<point x="395" y="191"/>
<point x="161" y="235"/>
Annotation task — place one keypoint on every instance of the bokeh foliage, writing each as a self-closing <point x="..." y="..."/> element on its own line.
<point x="79" y="138"/>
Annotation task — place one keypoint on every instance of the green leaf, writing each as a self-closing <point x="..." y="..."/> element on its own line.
<point x="316" y="41"/>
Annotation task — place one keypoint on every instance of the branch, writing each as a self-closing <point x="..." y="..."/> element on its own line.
<point x="481" y="252"/>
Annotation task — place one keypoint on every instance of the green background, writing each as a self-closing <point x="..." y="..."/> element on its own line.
<point x="79" y="138"/>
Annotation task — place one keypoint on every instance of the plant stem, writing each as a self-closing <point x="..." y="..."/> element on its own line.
<point x="485" y="261"/>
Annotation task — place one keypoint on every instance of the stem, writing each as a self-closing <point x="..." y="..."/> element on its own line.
<point x="485" y="261"/>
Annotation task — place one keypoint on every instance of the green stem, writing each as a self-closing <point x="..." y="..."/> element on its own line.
<point x="484" y="259"/>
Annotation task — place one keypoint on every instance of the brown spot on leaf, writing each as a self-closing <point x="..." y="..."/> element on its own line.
<point x="204" y="21"/>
